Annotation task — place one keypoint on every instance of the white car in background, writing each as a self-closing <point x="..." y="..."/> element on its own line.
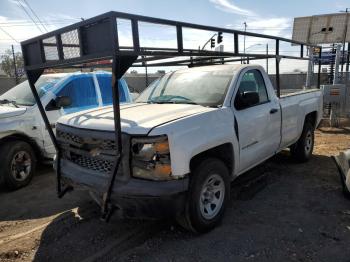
<point x="23" y="137"/>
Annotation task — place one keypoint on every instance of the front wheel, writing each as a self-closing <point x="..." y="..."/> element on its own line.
<point x="302" y="149"/>
<point x="208" y="196"/>
<point x="18" y="164"/>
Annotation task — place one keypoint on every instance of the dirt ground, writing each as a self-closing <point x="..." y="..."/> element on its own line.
<point x="288" y="212"/>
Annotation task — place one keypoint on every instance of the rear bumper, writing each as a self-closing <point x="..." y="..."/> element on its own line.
<point x="133" y="198"/>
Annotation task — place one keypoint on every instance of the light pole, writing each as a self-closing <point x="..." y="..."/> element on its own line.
<point x="245" y="30"/>
<point x="209" y="40"/>
<point x="250" y="47"/>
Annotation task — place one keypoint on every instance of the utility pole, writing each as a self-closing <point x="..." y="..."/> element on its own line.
<point x="337" y="61"/>
<point x="267" y="58"/>
<point x="146" y="71"/>
<point x="343" y="53"/>
<point x="245" y="30"/>
<point x="348" y="59"/>
<point x="14" y="64"/>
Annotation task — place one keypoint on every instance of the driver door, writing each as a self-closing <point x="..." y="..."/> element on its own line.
<point x="258" y="124"/>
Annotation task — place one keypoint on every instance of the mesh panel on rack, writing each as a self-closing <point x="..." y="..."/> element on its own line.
<point x="50" y="48"/>
<point x="70" y="43"/>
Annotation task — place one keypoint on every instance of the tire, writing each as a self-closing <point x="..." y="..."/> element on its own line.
<point x="18" y="163"/>
<point x="302" y="149"/>
<point x="200" y="216"/>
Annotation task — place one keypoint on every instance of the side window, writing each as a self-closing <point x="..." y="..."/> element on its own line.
<point x="81" y="91"/>
<point x="251" y="91"/>
<point x="105" y="83"/>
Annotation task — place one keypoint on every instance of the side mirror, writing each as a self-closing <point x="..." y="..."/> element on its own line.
<point x="247" y="99"/>
<point x="63" y="101"/>
<point x="58" y="103"/>
<point x="134" y="95"/>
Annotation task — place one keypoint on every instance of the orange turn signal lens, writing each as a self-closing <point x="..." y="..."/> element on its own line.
<point x="162" y="147"/>
<point x="162" y="170"/>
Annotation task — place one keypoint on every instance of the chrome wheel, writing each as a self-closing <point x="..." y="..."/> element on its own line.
<point x="21" y="165"/>
<point x="308" y="142"/>
<point x="212" y="196"/>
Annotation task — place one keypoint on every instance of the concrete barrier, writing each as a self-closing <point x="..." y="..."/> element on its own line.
<point x="137" y="83"/>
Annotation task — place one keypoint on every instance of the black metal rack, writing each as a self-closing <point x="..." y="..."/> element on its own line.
<point x="96" y="39"/>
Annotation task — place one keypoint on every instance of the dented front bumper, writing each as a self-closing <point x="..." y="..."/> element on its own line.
<point x="135" y="198"/>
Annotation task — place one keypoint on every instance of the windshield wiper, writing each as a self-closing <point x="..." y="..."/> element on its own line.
<point x="171" y="99"/>
<point x="6" y="101"/>
<point x="172" y="102"/>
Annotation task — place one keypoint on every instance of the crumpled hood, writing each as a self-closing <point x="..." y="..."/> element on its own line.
<point x="135" y="118"/>
<point x="9" y="111"/>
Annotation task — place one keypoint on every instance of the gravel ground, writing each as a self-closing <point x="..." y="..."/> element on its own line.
<point x="292" y="212"/>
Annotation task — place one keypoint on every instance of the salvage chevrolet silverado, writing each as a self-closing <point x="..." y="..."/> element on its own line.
<point x="175" y="151"/>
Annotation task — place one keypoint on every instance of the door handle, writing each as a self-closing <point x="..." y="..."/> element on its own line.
<point x="273" y="110"/>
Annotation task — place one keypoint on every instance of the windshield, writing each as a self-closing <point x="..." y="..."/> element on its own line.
<point x="22" y="95"/>
<point x="204" y="86"/>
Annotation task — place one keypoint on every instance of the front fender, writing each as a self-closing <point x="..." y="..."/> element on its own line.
<point x="6" y="134"/>
<point x="197" y="133"/>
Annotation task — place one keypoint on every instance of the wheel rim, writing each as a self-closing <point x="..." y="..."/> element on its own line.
<point x="21" y="165"/>
<point x="212" y="196"/>
<point x="308" y="142"/>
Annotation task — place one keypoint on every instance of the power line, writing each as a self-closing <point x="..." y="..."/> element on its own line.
<point x="28" y="25"/>
<point x="9" y="35"/>
<point x="25" y="1"/>
<point x="24" y="21"/>
<point x="31" y="18"/>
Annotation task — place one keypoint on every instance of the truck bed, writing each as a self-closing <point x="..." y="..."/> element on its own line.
<point x="295" y="103"/>
<point x="292" y="92"/>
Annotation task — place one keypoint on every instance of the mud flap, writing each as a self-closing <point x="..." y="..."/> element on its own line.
<point x="343" y="164"/>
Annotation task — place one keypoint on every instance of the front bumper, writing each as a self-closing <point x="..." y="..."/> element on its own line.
<point x="133" y="198"/>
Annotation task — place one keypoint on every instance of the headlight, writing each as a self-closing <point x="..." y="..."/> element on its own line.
<point x="151" y="158"/>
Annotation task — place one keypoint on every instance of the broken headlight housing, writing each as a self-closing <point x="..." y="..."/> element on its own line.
<point x="151" y="158"/>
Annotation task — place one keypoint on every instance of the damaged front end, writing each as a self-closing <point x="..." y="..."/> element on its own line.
<point x="143" y="186"/>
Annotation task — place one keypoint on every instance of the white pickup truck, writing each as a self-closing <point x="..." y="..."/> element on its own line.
<point x="23" y="136"/>
<point x="185" y="139"/>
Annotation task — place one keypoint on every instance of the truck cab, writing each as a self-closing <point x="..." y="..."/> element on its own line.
<point x="23" y="137"/>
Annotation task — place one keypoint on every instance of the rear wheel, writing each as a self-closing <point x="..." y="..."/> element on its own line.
<point x="18" y="164"/>
<point x="208" y="196"/>
<point x="302" y="149"/>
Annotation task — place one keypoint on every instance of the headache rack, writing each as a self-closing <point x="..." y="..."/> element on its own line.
<point x="98" y="39"/>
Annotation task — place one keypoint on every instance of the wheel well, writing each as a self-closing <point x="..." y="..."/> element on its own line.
<point x="223" y="152"/>
<point x="24" y="138"/>
<point x="311" y="118"/>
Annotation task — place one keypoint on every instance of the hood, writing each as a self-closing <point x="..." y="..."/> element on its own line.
<point x="10" y="111"/>
<point x="135" y="118"/>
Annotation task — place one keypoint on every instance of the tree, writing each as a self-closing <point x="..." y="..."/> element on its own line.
<point x="7" y="63"/>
